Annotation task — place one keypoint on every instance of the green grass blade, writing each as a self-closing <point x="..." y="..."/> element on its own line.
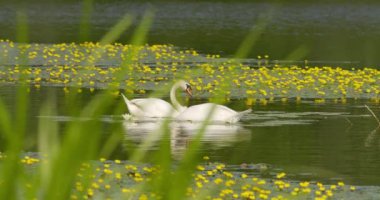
<point x="83" y="137"/>
<point x="182" y="177"/>
<point x="48" y="140"/>
<point x="11" y="169"/>
<point x="85" y="27"/>
<point x="117" y="30"/>
<point x="255" y="33"/>
<point x="299" y="53"/>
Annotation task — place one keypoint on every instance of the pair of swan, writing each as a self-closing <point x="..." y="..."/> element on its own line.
<point x="158" y="108"/>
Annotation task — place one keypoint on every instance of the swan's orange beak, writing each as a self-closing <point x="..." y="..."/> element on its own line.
<point x="189" y="91"/>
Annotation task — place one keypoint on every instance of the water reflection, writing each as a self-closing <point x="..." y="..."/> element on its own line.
<point x="181" y="133"/>
<point x="374" y="134"/>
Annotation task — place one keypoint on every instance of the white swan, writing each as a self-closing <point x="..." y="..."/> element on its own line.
<point x="211" y="112"/>
<point x="157" y="108"/>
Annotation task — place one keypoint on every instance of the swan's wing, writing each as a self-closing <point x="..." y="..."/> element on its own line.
<point x="220" y="113"/>
<point x="224" y="109"/>
<point x="201" y="111"/>
<point x="153" y="107"/>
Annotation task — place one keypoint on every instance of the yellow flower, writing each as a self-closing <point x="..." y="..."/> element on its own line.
<point x="306" y="190"/>
<point x="220" y="166"/>
<point x="143" y="197"/>
<point x="107" y="171"/>
<point x="263" y="196"/>
<point x="261" y="182"/>
<point x="329" y="193"/>
<point x="228" y="174"/>
<point x="248" y="195"/>
<point x="304" y="184"/>
<point x="229" y="183"/>
<point x="95" y="185"/>
<point x="218" y="181"/>
<point x="118" y="176"/>
<point x="126" y="190"/>
<point x="200" y="168"/>
<point x="90" y="192"/>
<point x="131" y="167"/>
<point x="281" y="175"/>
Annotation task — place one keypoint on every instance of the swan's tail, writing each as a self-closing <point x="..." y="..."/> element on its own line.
<point x="126" y="100"/>
<point x="238" y="116"/>
<point x="127" y="116"/>
<point x="242" y="113"/>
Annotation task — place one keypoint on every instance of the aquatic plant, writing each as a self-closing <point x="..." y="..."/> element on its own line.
<point x="96" y="66"/>
<point x="116" y="179"/>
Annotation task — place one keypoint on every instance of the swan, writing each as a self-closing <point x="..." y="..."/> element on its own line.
<point x="211" y="112"/>
<point x="157" y="108"/>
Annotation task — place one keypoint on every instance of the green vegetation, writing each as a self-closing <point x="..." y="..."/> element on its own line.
<point x="97" y="65"/>
<point x="106" y="179"/>
<point x="67" y="167"/>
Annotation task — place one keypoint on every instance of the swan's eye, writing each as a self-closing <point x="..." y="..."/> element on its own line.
<point x="188" y="86"/>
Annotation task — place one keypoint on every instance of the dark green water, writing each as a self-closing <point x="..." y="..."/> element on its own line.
<point x="308" y="141"/>
<point x="325" y="32"/>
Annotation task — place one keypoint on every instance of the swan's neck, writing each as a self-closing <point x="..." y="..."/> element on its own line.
<point x="173" y="99"/>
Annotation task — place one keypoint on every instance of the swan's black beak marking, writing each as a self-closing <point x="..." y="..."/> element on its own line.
<point x="189" y="90"/>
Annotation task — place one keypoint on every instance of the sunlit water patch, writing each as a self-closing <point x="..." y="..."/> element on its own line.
<point x="278" y="118"/>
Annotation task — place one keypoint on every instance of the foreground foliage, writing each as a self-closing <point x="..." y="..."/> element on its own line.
<point x="106" y="179"/>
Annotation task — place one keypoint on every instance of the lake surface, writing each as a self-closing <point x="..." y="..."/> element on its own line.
<point x="309" y="141"/>
<point x="327" y="32"/>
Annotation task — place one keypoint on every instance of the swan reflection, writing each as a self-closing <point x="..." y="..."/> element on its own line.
<point x="181" y="133"/>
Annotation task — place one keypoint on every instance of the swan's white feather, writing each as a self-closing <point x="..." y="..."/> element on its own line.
<point x="202" y="111"/>
<point x="150" y="107"/>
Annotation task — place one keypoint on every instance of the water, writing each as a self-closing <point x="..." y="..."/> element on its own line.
<point x="308" y="140"/>
<point x="327" y="32"/>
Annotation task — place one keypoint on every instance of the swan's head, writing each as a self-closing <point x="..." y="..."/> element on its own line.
<point x="185" y="86"/>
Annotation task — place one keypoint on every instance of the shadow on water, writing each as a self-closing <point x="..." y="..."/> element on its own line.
<point x="371" y="138"/>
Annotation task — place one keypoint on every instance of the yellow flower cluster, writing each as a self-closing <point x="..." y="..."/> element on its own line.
<point x="135" y="68"/>
<point x="120" y="179"/>
<point x="30" y="160"/>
